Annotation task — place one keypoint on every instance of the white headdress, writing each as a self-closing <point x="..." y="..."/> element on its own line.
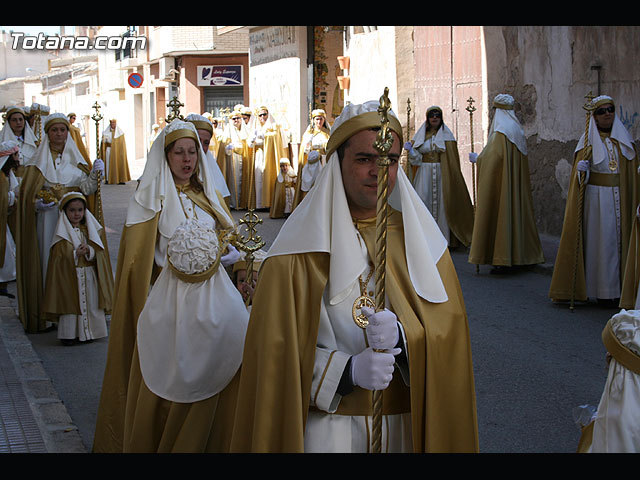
<point x="322" y="222"/>
<point x="156" y="191"/>
<point x="618" y="132"/>
<point x="506" y="122"/>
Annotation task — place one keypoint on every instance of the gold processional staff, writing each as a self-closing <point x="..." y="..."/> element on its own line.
<point x="586" y="155"/>
<point x="470" y="108"/>
<point x="383" y="143"/>
<point x="96" y="118"/>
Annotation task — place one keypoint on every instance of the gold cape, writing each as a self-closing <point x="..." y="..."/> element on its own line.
<point x="4" y="214"/>
<point x="302" y="161"/>
<point x="273" y="150"/>
<point x="76" y="136"/>
<point x="631" y="278"/>
<point x="117" y="169"/>
<point x="563" y="273"/>
<point x="279" y="197"/>
<point x="61" y="292"/>
<point x="275" y="378"/>
<point x="457" y="202"/>
<point x="29" y="281"/>
<point x="135" y="273"/>
<point x="155" y="425"/>
<point x="228" y="166"/>
<point x="504" y="230"/>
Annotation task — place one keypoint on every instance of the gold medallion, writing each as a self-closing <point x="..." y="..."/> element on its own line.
<point x="359" y="317"/>
<point x="363" y="300"/>
<point x="613" y="165"/>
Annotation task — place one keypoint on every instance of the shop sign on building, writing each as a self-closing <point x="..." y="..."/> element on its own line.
<point x="220" y="75"/>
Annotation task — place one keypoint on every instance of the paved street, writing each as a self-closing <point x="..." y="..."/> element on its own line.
<point x="534" y="361"/>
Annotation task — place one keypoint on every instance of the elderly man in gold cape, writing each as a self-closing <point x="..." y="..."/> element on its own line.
<point x="309" y="369"/>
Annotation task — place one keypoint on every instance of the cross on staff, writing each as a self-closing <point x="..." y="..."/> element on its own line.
<point x="174" y="106"/>
<point x="250" y="244"/>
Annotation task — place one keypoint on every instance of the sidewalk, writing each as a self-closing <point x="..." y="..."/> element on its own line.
<point x="32" y="417"/>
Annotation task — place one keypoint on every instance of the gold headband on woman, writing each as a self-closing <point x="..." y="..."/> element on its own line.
<point x="13" y="110"/>
<point x="180" y="133"/>
<point x="203" y="125"/>
<point x="51" y="121"/>
<point x="356" y="124"/>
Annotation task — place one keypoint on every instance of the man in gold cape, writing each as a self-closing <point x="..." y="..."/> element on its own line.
<point x="113" y="149"/>
<point x="235" y="159"/>
<point x="295" y="356"/>
<point x="504" y="230"/>
<point x="76" y="134"/>
<point x="269" y="145"/>
<point x="597" y="257"/>
<point x="433" y="152"/>
<point x="47" y="177"/>
<point x="154" y="212"/>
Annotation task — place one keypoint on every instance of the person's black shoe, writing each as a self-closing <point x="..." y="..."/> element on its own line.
<point x="67" y="342"/>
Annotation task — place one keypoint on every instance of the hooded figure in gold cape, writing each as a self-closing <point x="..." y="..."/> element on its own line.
<point x="269" y="145"/>
<point x="312" y="153"/>
<point x="504" y="230"/>
<point x="79" y="283"/>
<point x="611" y="195"/>
<point x="438" y="178"/>
<point x="56" y="168"/>
<point x="309" y="369"/>
<point x="113" y="149"/>
<point x="176" y="185"/>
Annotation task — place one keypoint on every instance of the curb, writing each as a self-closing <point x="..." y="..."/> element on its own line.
<point x="58" y="431"/>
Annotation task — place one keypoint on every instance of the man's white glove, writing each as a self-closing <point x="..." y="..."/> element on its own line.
<point x="98" y="165"/>
<point x="228" y="148"/>
<point x="42" y="207"/>
<point x="408" y="146"/>
<point x="230" y="258"/>
<point x="382" y="331"/>
<point x="473" y="157"/>
<point x="583" y="166"/>
<point x="373" y="370"/>
<point x="313" y="156"/>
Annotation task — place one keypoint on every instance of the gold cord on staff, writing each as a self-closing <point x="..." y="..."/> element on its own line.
<point x="383" y="143"/>
<point x="96" y="117"/>
<point x="586" y="155"/>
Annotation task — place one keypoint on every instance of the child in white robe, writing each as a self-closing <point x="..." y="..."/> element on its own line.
<point x="77" y="251"/>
